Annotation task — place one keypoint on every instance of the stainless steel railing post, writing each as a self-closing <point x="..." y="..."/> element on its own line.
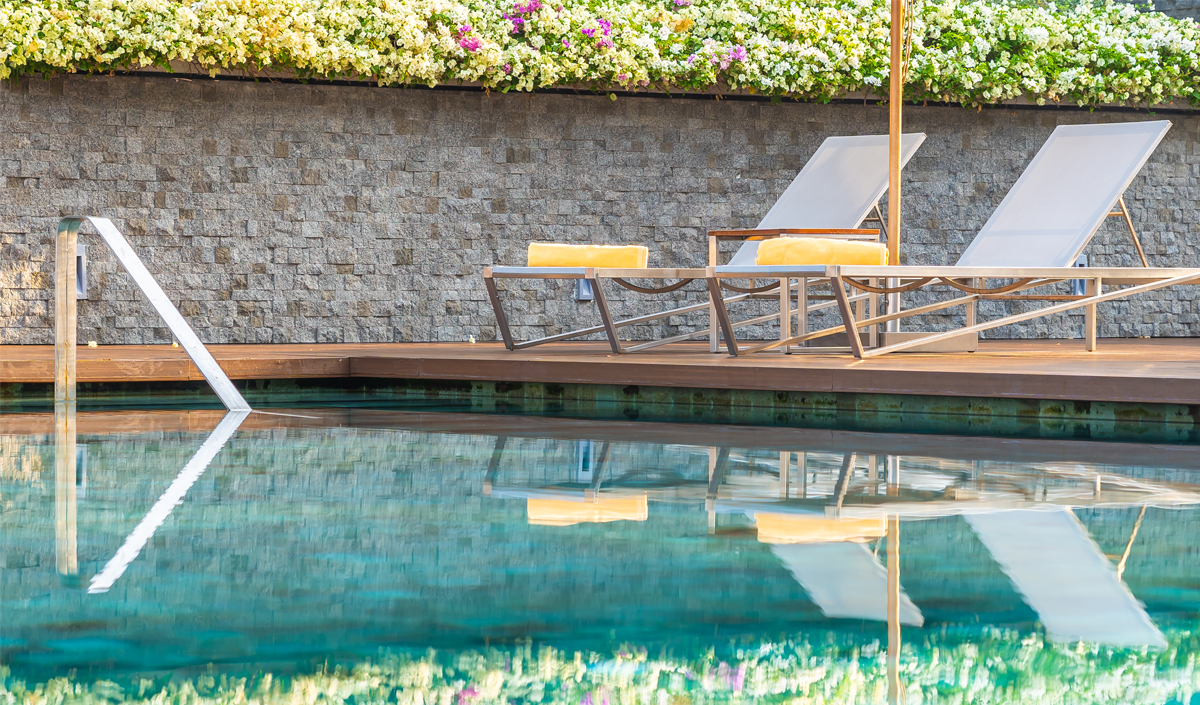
<point x="65" y="340"/>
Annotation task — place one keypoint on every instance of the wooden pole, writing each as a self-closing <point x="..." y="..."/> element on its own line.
<point x="895" y="127"/>
<point x="65" y="311"/>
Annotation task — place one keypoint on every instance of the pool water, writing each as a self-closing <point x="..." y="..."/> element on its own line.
<point x="359" y="555"/>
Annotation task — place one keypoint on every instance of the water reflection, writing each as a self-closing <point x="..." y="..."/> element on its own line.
<point x="827" y="522"/>
<point x="347" y="531"/>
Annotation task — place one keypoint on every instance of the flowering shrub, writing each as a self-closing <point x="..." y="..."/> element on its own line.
<point x="965" y="51"/>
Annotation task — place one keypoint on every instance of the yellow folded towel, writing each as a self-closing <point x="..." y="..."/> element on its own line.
<point x="819" y="250"/>
<point x="558" y="512"/>
<point x="783" y="528"/>
<point x="549" y="254"/>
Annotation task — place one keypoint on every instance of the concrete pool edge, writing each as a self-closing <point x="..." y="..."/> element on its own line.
<point x="987" y="416"/>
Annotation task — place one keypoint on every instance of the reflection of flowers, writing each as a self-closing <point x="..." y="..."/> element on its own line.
<point x="967" y="51"/>
<point x="986" y="666"/>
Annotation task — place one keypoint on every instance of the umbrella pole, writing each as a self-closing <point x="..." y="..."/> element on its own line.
<point x="895" y="127"/>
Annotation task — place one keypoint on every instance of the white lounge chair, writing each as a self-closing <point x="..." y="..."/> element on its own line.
<point x="838" y="189"/>
<point x="1032" y="239"/>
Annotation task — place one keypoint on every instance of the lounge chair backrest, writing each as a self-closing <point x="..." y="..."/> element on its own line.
<point x="1064" y="195"/>
<point x="837" y="188"/>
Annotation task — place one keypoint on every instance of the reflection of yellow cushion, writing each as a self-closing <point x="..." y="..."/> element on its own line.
<point x="557" y="512"/>
<point x="785" y="528"/>
<point x="549" y="254"/>
<point x="819" y="250"/>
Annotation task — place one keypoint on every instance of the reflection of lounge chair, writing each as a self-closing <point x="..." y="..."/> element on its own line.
<point x="836" y="191"/>
<point x="825" y="553"/>
<point x="1032" y="240"/>
<point x="1065" y="578"/>
<point x="580" y="510"/>
<point x="566" y="505"/>
<point x="829" y="558"/>
<point x="845" y="580"/>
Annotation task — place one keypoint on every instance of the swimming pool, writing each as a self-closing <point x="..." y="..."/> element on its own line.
<point x="365" y="555"/>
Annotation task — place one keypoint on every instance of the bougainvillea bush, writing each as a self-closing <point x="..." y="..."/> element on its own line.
<point x="964" y="51"/>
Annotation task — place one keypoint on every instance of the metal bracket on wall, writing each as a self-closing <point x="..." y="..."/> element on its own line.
<point x="66" y="291"/>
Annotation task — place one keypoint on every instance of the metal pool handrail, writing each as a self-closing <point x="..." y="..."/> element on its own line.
<point x="65" y="339"/>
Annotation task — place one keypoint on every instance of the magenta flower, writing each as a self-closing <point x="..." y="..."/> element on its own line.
<point x="507" y="68"/>
<point x="737" y="53"/>
<point x="604" y="43"/>
<point x="588" y="32"/>
<point x="683" y="3"/>
<point x="465" y="29"/>
<point x="605" y="25"/>
<point x="470" y="43"/>
<point x="518" y="23"/>
<point x="566" y="43"/>
<point x="691" y="58"/>
<point x="528" y="7"/>
<point x="622" y="77"/>
<point x="587" y="698"/>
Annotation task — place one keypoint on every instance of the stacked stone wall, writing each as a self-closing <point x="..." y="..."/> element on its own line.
<point x="288" y="213"/>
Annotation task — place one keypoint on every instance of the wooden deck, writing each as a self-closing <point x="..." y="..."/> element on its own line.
<point x="1123" y="370"/>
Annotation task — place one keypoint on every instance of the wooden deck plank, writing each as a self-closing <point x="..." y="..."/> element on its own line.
<point x="1124" y="370"/>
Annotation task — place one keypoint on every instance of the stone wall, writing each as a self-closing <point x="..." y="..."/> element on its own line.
<point x="1179" y="8"/>
<point x="280" y="212"/>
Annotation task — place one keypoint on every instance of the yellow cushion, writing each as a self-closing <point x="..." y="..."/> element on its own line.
<point x="820" y="250"/>
<point x="549" y="254"/>
<point x="558" y="512"/>
<point x="785" y="528"/>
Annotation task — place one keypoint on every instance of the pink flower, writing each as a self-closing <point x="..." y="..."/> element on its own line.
<point x="507" y="68"/>
<point x="470" y="43"/>
<point x="588" y="31"/>
<point x="683" y="3"/>
<point x="566" y="43"/>
<point x="465" y="29"/>
<point x="622" y="77"/>
<point x="518" y="23"/>
<point x="604" y="43"/>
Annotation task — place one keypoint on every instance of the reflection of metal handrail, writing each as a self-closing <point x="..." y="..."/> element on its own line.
<point x="173" y="496"/>
<point x="65" y="312"/>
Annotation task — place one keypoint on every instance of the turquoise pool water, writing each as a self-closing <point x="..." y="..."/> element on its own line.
<point x="358" y="555"/>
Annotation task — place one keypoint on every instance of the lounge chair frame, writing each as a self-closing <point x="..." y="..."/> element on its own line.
<point x="1137" y="281"/>
<point x="1074" y="183"/>
<point x="611" y="326"/>
<point x="838" y="190"/>
<point x="861" y="303"/>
